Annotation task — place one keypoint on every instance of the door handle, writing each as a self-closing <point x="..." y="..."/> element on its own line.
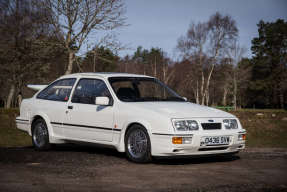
<point x="70" y="107"/>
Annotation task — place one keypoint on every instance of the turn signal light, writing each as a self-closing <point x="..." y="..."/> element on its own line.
<point x="244" y="137"/>
<point x="177" y="140"/>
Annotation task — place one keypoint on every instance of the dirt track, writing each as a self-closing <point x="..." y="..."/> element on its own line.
<point x="81" y="168"/>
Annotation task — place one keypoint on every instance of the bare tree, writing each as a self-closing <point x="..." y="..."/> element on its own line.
<point x="222" y="32"/>
<point x="167" y="71"/>
<point x="77" y="20"/>
<point x="192" y="47"/>
<point x="207" y="40"/>
<point x="235" y="53"/>
<point x="24" y="45"/>
<point x="224" y="78"/>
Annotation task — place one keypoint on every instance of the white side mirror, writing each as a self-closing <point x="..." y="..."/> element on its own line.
<point x="184" y="98"/>
<point x="102" y="101"/>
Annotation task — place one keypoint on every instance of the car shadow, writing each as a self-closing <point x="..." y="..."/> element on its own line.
<point x="107" y="151"/>
<point x="87" y="148"/>
<point x="195" y="160"/>
<point x="92" y="149"/>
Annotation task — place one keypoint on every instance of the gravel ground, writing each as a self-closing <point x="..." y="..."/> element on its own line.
<point x="86" y="168"/>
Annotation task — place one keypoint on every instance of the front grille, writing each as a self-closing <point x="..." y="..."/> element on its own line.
<point x="211" y="126"/>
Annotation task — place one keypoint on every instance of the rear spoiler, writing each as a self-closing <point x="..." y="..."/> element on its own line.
<point x="36" y="87"/>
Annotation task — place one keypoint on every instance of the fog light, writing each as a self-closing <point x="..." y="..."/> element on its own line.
<point x="181" y="140"/>
<point x="241" y="137"/>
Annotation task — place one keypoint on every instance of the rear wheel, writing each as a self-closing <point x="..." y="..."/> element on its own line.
<point x="40" y="135"/>
<point x="137" y="144"/>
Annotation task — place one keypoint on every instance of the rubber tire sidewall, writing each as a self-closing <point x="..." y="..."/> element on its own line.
<point x="46" y="145"/>
<point x="146" y="158"/>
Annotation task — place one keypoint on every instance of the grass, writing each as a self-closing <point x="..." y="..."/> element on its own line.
<point x="10" y="136"/>
<point x="262" y="110"/>
<point x="265" y="128"/>
<point x="266" y="133"/>
<point x="231" y="109"/>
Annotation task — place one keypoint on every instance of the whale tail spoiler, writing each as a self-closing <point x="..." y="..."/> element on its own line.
<point x="36" y="87"/>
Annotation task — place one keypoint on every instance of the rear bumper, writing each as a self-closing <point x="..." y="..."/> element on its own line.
<point x="162" y="145"/>
<point x="23" y="124"/>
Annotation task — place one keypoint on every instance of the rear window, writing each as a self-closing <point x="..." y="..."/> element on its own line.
<point x="58" y="91"/>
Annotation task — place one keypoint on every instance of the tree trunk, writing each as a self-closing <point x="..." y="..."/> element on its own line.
<point x="281" y="97"/>
<point x="70" y="64"/>
<point x="202" y="88"/>
<point x="19" y="100"/>
<point x="202" y="78"/>
<point x="164" y="73"/>
<point x="167" y="76"/>
<point x="94" y="63"/>
<point x="155" y="67"/>
<point x="235" y="91"/>
<point x="197" y="97"/>
<point x="10" y="96"/>
<point x="207" y="97"/>
<point x="224" y="96"/>
<point x="206" y="92"/>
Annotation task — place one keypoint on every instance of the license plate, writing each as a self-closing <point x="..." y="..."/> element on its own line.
<point x="215" y="140"/>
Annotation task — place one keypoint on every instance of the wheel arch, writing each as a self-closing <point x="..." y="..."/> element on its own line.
<point x="34" y="119"/>
<point x="37" y="116"/>
<point x="129" y="125"/>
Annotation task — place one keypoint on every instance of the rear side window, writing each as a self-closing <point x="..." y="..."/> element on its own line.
<point x="87" y="90"/>
<point x="58" y="91"/>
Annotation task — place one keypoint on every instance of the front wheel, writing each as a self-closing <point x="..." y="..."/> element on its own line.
<point x="40" y="135"/>
<point x="137" y="144"/>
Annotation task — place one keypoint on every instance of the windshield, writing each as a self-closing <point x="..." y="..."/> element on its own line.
<point x="139" y="89"/>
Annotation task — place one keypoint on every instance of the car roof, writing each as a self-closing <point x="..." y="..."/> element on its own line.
<point x="102" y="75"/>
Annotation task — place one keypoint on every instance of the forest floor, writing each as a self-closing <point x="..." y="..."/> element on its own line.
<point x="82" y="168"/>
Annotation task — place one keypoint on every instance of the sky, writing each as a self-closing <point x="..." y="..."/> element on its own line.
<point x="159" y="23"/>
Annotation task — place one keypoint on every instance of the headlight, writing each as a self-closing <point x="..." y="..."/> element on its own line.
<point x="230" y="124"/>
<point x="185" y="125"/>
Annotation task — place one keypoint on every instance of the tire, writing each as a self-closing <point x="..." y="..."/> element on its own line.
<point x="137" y="145"/>
<point x="40" y="135"/>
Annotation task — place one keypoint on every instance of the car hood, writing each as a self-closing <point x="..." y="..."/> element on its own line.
<point x="182" y="110"/>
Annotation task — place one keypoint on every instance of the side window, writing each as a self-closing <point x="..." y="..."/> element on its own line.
<point x="58" y="91"/>
<point x="88" y="89"/>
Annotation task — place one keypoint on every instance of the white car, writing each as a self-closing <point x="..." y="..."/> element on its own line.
<point x="136" y="114"/>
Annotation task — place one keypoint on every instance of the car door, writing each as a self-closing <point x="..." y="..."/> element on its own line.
<point x="52" y="101"/>
<point x="84" y="120"/>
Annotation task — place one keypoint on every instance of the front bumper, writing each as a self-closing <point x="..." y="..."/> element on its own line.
<point x="162" y="144"/>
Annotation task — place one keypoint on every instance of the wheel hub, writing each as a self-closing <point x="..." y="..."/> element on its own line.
<point x="137" y="143"/>
<point x="39" y="135"/>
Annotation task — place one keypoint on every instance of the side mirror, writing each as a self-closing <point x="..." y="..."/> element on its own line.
<point x="184" y="98"/>
<point x="102" y="101"/>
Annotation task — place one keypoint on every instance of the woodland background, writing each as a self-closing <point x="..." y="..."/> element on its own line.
<point x="41" y="40"/>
